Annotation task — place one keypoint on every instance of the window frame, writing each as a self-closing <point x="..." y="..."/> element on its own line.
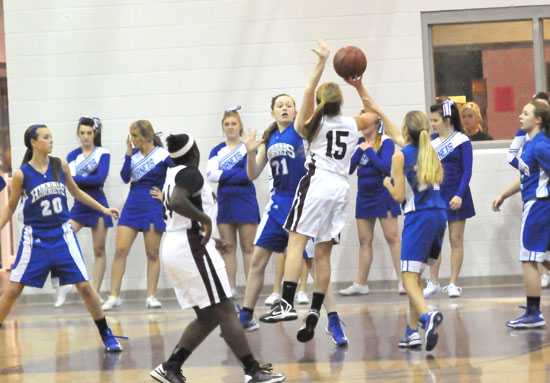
<point x="535" y="14"/>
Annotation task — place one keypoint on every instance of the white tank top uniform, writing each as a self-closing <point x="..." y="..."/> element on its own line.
<point x="196" y="272"/>
<point x="321" y="201"/>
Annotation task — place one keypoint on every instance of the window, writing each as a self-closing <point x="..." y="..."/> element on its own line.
<point x="497" y="58"/>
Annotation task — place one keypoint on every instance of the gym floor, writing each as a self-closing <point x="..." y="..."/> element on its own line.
<point x="41" y="344"/>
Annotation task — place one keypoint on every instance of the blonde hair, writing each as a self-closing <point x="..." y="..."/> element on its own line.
<point x="237" y="116"/>
<point x="474" y="108"/>
<point x="430" y="171"/>
<point x="147" y="132"/>
<point x="329" y="101"/>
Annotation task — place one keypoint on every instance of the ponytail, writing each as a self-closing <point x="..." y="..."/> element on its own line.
<point x="269" y="131"/>
<point x="542" y="110"/>
<point x="430" y="171"/>
<point x="30" y="134"/>
<point x="329" y="100"/>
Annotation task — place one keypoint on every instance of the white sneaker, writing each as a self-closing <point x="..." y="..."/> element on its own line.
<point x="61" y="295"/>
<point x="401" y="289"/>
<point x="301" y="298"/>
<point x="431" y="288"/>
<point x="152" y="303"/>
<point x="355" y="289"/>
<point x="453" y="291"/>
<point x="272" y="299"/>
<point x="544" y="280"/>
<point x="111" y="303"/>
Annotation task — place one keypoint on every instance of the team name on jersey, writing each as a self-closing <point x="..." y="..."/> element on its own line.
<point x="445" y="150"/>
<point x="281" y="149"/>
<point x="232" y="161"/>
<point x="143" y="169"/>
<point x="46" y="189"/>
<point x="87" y="168"/>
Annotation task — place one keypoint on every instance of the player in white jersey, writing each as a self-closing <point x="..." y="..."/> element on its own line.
<point x="320" y="204"/>
<point x="196" y="269"/>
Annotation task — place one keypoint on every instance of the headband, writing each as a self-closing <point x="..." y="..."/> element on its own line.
<point x="183" y="150"/>
<point x="447" y="112"/>
<point x="34" y="129"/>
<point x="233" y="109"/>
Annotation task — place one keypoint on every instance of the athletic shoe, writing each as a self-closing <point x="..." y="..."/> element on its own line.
<point x="355" y="289"/>
<point x="160" y="374"/>
<point x="110" y="342"/>
<point x="532" y="318"/>
<point x="152" y="303"/>
<point x="335" y="330"/>
<point x="61" y="295"/>
<point x="247" y="320"/>
<point x="306" y="332"/>
<point x="272" y="299"/>
<point x="281" y="311"/>
<point x="401" y="289"/>
<point x="452" y="290"/>
<point x="111" y="303"/>
<point x="263" y="374"/>
<point x="301" y="298"/>
<point x="411" y="339"/>
<point x="430" y="321"/>
<point x="545" y="280"/>
<point x="431" y="288"/>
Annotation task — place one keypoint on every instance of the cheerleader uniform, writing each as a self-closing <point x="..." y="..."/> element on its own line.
<point x="285" y="154"/>
<point x="140" y="208"/>
<point x="535" y="193"/>
<point x="425" y="218"/>
<point x="236" y="193"/>
<point x="90" y="173"/>
<point x="455" y="154"/>
<point x="373" y="199"/>
<point x="197" y="272"/>
<point x="320" y="205"/>
<point x="48" y="242"/>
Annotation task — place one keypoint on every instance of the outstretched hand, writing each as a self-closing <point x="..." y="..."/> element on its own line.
<point x="323" y="50"/>
<point x="356" y="82"/>
<point x="250" y="141"/>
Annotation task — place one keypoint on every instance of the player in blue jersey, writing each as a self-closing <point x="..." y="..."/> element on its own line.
<point x="417" y="175"/>
<point x="372" y="158"/>
<point x="535" y="194"/>
<point x="145" y="168"/>
<point x="89" y="167"/>
<point x="238" y="212"/>
<point x="48" y="243"/>
<point x="454" y="150"/>
<point x="283" y="149"/>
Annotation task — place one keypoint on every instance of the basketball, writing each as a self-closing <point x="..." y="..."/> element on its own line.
<point x="349" y="62"/>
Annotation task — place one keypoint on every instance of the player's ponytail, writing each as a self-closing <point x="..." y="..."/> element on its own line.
<point x="30" y="134"/>
<point x="329" y="101"/>
<point x="542" y="110"/>
<point x="430" y="171"/>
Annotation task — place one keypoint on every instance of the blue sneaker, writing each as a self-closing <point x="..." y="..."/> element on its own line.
<point x="247" y="320"/>
<point x="532" y="318"/>
<point x="333" y="328"/>
<point x="429" y="322"/>
<point x="411" y="339"/>
<point x="110" y="342"/>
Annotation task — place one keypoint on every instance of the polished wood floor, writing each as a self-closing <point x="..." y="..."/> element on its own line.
<point x="40" y="344"/>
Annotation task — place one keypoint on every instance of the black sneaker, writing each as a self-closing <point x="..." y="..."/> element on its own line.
<point x="160" y="374"/>
<point x="280" y="311"/>
<point x="306" y="332"/>
<point x="264" y="374"/>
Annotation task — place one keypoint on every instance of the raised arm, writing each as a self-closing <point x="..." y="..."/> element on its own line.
<point x="308" y="101"/>
<point x="256" y="154"/>
<point x="16" y="190"/>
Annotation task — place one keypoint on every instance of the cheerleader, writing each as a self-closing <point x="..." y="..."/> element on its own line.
<point x="373" y="158"/>
<point x="320" y="204"/>
<point x="145" y="168"/>
<point x="417" y="175"/>
<point x="196" y="269"/>
<point x="89" y="167"/>
<point x="535" y="194"/>
<point x="238" y="212"/>
<point x="48" y="243"/>
<point x="454" y="150"/>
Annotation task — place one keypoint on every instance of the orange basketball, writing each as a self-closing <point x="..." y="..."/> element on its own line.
<point x="350" y="62"/>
